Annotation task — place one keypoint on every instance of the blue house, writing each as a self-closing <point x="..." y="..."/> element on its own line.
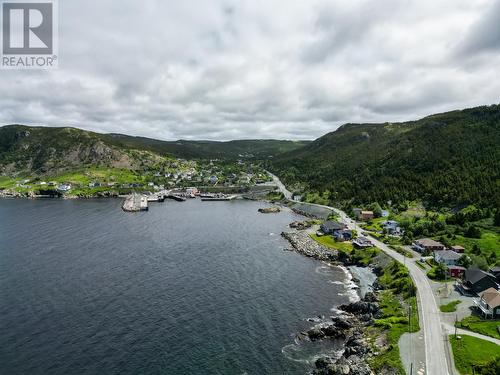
<point x="342" y="235"/>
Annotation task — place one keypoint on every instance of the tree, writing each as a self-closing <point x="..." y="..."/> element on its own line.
<point x="480" y="262"/>
<point x="476" y="249"/>
<point x="445" y="241"/>
<point x="492" y="259"/>
<point x="464" y="261"/>
<point x="496" y="218"/>
<point x="441" y="271"/>
<point x="377" y="210"/>
<point x="473" y="232"/>
<point x="407" y="238"/>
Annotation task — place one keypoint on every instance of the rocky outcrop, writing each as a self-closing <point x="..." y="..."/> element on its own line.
<point x="353" y="365"/>
<point x="338" y="328"/>
<point x="300" y="225"/>
<point x="303" y="244"/>
<point x="361" y="308"/>
<point x="348" y="327"/>
<point x="269" y="210"/>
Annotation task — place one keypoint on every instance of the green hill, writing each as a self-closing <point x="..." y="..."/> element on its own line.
<point x="42" y="150"/>
<point x="447" y="159"/>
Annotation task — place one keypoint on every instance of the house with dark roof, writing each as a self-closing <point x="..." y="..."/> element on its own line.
<point x="342" y="235"/>
<point x="476" y="280"/>
<point x="329" y="227"/>
<point x="391" y="227"/>
<point x="447" y="257"/>
<point x="489" y="303"/>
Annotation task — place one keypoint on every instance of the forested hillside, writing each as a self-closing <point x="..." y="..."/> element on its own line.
<point x="447" y="159"/>
<point x="41" y="150"/>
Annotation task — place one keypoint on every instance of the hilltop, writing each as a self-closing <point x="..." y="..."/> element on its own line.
<point x="447" y="159"/>
<point x="26" y="150"/>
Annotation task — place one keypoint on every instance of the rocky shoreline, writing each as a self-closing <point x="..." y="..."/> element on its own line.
<point x="303" y="244"/>
<point x="349" y="326"/>
<point x="32" y="195"/>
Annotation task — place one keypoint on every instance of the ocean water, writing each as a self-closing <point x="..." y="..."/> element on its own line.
<point x="186" y="288"/>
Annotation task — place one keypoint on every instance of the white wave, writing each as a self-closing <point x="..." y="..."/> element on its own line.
<point x="351" y="286"/>
<point x="336" y="282"/>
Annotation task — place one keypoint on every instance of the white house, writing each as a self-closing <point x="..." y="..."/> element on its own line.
<point x="64" y="187"/>
<point x="489" y="302"/>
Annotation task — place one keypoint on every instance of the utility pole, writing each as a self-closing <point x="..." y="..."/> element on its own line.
<point x="456" y="321"/>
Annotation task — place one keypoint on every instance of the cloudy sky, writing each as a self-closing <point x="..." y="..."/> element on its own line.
<point x="258" y="69"/>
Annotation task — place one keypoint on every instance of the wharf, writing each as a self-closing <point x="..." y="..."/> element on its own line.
<point x="176" y="197"/>
<point x="135" y="203"/>
<point x="219" y="197"/>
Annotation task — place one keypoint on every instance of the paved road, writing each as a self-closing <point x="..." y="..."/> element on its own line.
<point x="430" y="321"/>
<point x="451" y="330"/>
<point x="435" y="336"/>
<point x="279" y="184"/>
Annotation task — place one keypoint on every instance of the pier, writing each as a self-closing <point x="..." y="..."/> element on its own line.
<point x="135" y="203"/>
<point x="218" y="197"/>
<point x="176" y="197"/>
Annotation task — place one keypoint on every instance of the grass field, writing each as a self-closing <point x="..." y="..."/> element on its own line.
<point x="450" y="307"/>
<point x="394" y="323"/>
<point x="485" y="327"/>
<point x="471" y="353"/>
<point x="84" y="176"/>
<point x="374" y="224"/>
<point x="329" y="242"/>
<point x="7" y="182"/>
<point x="489" y="242"/>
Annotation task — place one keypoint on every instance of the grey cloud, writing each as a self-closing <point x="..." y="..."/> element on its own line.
<point x="484" y="35"/>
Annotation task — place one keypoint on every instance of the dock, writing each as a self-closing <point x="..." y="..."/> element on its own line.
<point x="135" y="203"/>
<point x="176" y="197"/>
<point x="156" y="198"/>
<point x="218" y="197"/>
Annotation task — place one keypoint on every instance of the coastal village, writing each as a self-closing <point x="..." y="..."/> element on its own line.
<point x="482" y="286"/>
<point x="166" y="175"/>
<point x="467" y="293"/>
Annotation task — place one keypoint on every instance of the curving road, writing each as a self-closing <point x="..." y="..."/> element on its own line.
<point x="281" y="187"/>
<point x="430" y="321"/>
<point x="435" y="335"/>
<point x="451" y="330"/>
